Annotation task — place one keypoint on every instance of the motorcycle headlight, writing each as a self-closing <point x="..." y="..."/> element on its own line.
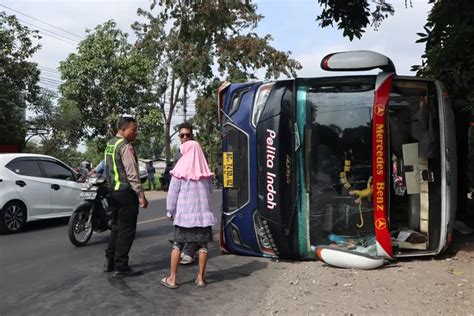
<point x="261" y="98"/>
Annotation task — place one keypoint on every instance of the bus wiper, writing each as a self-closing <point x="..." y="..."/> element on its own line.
<point x="225" y="114"/>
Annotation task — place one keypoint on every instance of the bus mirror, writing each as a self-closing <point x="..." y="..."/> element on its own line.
<point x="360" y="60"/>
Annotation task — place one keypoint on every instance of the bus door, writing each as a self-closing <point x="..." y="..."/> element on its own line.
<point x="421" y="167"/>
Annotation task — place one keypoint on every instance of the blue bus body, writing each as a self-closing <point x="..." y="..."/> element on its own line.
<point x="313" y="161"/>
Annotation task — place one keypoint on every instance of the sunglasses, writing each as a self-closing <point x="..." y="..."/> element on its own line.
<point x="187" y="135"/>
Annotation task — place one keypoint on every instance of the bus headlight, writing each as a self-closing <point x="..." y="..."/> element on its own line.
<point x="261" y="98"/>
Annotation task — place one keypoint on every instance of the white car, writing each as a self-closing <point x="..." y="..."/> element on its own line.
<point x="34" y="187"/>
<point x="143" y="174"/>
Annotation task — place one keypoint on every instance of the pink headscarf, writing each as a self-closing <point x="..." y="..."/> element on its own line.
<point x="192" y="165"/>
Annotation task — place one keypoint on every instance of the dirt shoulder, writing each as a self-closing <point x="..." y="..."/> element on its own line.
<point x="442" y="285"/>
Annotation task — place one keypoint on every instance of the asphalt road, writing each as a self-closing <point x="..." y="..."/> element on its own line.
<point x="42" y="273"/>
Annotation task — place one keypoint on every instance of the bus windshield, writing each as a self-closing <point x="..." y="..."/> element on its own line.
<point x="338" y="161"/>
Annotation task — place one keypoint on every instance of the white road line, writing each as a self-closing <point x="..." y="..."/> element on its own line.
<point x="152" y="220"/>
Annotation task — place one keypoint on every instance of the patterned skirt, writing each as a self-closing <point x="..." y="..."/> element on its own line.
<point x="192" y="234"/>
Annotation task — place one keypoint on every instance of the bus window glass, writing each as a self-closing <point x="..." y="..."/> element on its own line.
<point x="339" y="114"/>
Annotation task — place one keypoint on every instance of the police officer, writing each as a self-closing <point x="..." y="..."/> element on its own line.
<point x="126" y="194"/>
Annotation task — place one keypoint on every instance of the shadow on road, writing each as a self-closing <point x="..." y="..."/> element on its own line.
<point x="45" y="224"/>
<point x="235" y="272"/>
<point x="102" y="238"/>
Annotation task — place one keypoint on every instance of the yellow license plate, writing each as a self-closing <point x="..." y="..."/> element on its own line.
<point x="228" y="169"/>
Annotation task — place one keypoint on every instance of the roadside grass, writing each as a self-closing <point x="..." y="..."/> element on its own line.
<point x="146" y="185"/>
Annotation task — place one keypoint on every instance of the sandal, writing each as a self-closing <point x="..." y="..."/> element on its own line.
<point x="203" y="284"/>
<point x="186" y="260"/>
<point x="165" y="283"/>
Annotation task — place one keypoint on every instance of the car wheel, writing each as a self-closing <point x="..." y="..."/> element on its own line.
<point x="12" y="218"/>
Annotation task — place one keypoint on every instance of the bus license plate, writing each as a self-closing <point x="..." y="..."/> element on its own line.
<point x="87" y="195"/>
<point x="228" y="169"/>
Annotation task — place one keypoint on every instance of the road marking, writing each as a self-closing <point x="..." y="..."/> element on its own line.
<point x="152" y="220"/>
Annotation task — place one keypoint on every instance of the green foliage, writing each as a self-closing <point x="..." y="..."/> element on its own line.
<point x="449" y="51"/>
<point x="63" y="122"/>
<point x="449" y="57"/>
<point x="150" y="141"/>
<point x="146" y="185"/>
<point x="69" y="155"/>
<point x="95" y="150"/>
<point x="205" y="122"/>
<point x="188" y="39"/>
<point x="353" y="16"/>
<point x="18" y="77"/>
<point x="105" y="79"/>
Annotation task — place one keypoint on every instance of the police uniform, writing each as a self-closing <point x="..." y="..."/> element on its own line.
<point x="125" y="186"/>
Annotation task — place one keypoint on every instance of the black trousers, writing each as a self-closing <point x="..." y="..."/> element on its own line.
<point x="125" y="204"/>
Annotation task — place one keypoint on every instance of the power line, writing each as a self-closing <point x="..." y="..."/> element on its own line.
<point x="53" y="75"/>
<point x="47" y="88"/>
<point x="56" y="80"/>
<point x="51" y="83"/>
<point x="51" y="25"/>
<point x="48" y="85"/>
<point x="52" y="91"/>
<point x="50" y="75"/>
<point x="48" y="68"/>
<point x="49" y="71"/>
<point x="50" y="80"/>
<point x="55" y="35"/>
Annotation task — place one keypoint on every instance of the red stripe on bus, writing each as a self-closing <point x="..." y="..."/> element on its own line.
<point x="379" y="166"/>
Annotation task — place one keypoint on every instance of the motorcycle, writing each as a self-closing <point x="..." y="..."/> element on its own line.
<point x="94" y="214"/>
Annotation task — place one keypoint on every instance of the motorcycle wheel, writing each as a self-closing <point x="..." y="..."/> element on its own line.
<point x="79" y="233"/>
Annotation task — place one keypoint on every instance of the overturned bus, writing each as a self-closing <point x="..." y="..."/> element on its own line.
<point x="344" y="167"/>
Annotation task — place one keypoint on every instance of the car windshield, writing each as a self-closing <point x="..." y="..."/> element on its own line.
<point x="339" y="161"/>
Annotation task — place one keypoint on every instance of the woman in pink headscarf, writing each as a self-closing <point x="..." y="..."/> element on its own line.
<point x="189" y="206"/>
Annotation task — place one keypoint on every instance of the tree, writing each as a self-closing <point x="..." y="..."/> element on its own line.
<point x="63" y="122"/>
<point x="449" y="51"/>
<point x="188" y="38"/>
<point x="449" y="57"/>
<point x="150" y="141"/>
<point x="205" y="122"/>
<point x="63" y="125"/>
<point x="105" y="79"/>
<point x="95" y="150"/>
<point x="353" y="16"/>
<point x="18" y="77"/>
